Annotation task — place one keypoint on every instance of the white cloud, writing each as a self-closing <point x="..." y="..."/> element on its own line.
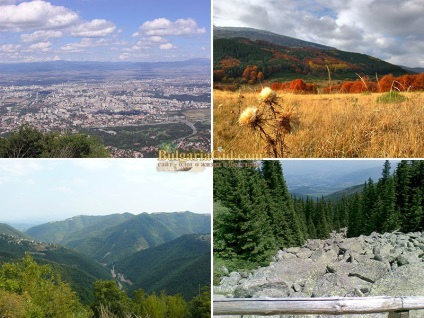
<point x="35" y="14"/>
<point x="19" y="167"/>
<point x="83" y="45"/>
<point x="9" y="48"/>
<point x="164" y="27"/>
<point x="41" y="35"/>
<point x="41" y="47"/>
<point x="167" y="46"/>
<point x="94" y="28"/>
<point x="387" y="29"/>
<point x="157" y="39"/>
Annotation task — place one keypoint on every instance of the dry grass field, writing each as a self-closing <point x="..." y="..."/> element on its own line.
<point x="325" y="126"/>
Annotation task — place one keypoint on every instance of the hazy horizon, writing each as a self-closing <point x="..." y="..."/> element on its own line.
<point x="53" y="190"/>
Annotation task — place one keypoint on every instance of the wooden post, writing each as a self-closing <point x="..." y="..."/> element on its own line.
<point x="399" y="314"/>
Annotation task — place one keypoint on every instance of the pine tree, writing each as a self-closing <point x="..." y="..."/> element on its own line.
<point x="245" y="228"/>
<point x="356" y="219"/>
<point x="286" y="222"/>
<point x="388" y="215"/>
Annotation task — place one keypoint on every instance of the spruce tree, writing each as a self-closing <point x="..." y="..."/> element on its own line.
<point x="286" y="223"/>
<point x="388" y="215"/>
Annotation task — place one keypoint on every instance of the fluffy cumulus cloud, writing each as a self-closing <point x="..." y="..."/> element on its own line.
<point x="40" y="47"/>
<point x="164" y="27"/>
<point x="37" y="27"/>
<point x="40" y="35"/>
<point x="389" y="29"/>
<point x="156" y="33"/>
<point x="167" y="46"/>
<point x="83" y="45"/>
<point x="35" y="14"/>
<point x="95" y="28"/>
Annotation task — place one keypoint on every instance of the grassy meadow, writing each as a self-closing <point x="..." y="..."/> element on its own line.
<point x="325" y="125"/>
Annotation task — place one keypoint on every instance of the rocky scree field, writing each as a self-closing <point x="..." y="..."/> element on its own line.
<point x="389" y="264"/>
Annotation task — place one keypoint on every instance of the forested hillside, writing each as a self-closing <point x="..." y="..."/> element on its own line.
<point x="178" y="266"/>
<point x="253" y="60"/>
<point x="110" y="238"/>
<point x="28" y="289"/>
<point x="78" y="270"/>
<point x="254" y="214"/>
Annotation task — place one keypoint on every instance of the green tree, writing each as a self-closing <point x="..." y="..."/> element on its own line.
<point x="388" y="215"/>
<point x="28" y="142"/>
<point x="245" y="227"/>
<point x="286" y="223"/>
<point x="200" y="306"/>
<point x="42" y="288"/>
<point x="108" y="295"/>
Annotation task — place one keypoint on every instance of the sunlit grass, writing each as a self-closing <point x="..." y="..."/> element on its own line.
<point x="330" y="126"/>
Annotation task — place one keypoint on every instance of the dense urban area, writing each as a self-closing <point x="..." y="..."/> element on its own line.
<point x="134" y="117"/>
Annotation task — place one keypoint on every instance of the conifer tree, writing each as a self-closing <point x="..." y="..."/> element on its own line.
<point x="286" y="223"/>
<point x="388" y="216"/>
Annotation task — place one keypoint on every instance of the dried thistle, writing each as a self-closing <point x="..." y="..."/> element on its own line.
<point x="267" y="95"/>
<point x="248" y="116"/>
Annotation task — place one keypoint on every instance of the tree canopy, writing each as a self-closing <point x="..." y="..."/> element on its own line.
<point x="29" y="142"/>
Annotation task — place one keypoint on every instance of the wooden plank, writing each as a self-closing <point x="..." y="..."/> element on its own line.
<point x="305" y="306"/>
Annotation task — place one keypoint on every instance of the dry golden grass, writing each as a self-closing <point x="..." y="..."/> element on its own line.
<point x="330" y="126"/>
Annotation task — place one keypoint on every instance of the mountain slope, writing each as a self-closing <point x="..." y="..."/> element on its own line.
<point x="78" y="227"/>
<point x="178" y="266"/>
<point x="110" y="239"/>
<point x="75" y="268"/>
<point x="8" y="230"/>
<point x="261" y="35"/>
<point x="141" y="232"/>
<point x="275" y="57"/>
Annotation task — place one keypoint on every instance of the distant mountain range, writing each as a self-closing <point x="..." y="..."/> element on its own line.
<point x="170" y="249"/>
<point x="109" y="238"/>
<point x="414" y="69"/>
<point x="281" y="56"/>
<point x="331" y="183"/>
<point x="65" y="66"/>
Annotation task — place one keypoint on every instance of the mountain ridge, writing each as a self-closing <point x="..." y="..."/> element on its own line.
<point x="262" y="35"/>
<point x="116" y="236"/>
<point x="184" y="261"/>
<point x="246" y="53"/>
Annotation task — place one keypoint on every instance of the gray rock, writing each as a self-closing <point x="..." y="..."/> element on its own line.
<point x="232" y="279"/>
<point x="272" y="292"/>
<point x="297" y="287"/>
<point x="293" y="250"/>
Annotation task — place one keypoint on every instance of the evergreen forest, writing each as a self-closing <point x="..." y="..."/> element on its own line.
<point x="255" y="215"/>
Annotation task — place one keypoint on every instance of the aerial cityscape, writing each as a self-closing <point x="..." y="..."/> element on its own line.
<point x="157" y="108"/>
<point x="138" y="78"/>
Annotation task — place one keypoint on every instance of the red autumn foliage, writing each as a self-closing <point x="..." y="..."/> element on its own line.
<point x="298" y="85"/>
<point x="218" y="75"/>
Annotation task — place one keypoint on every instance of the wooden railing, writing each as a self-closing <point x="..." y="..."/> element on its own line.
<point x="397" y="307"/>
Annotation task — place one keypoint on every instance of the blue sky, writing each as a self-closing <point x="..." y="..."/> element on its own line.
<point x="47" y="190"/>
<point x="104" y="30"/>
<point x="391" y="30"/>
